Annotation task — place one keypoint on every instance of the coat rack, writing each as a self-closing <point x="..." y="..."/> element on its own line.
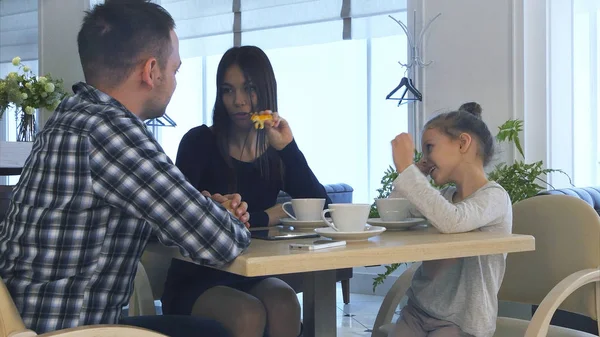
<point x="415" y="59"/>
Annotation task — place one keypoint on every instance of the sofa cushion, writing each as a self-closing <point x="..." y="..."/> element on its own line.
<point x="338" y="193"/>
<point x="591" y="195"/>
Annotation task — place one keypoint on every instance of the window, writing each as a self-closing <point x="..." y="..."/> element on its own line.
<point x="18" y="37"/>
<point x="339" y="84"/>
<point x="586" y="84"/>
<point x="574" y="92"/>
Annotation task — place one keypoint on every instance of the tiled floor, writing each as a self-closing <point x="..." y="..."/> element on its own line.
<point x="357" y="318"/>
<point x="353" y="320"/>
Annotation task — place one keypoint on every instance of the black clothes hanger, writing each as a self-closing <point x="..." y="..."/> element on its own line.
<point x="407" y="84"/>
<point x="165" y="120"/>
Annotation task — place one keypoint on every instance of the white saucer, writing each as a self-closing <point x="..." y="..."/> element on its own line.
<point x="303" y="224"/>
<point x="398" y="224"/>
<point x="369" y="231"/>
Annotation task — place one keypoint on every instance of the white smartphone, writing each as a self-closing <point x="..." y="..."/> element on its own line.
<point x="318" y="244"/>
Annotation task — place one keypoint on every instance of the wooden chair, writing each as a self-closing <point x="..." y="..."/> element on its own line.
<point x="149" y="283"/>
<point x="11" y="324"/>
<point x="563" y="271"/>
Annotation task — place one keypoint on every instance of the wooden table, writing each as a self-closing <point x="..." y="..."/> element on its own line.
<point x="319" y="303"/>
<point x="10" y="171"/>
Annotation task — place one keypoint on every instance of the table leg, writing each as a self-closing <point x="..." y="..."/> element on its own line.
<point x="319" y="304"/>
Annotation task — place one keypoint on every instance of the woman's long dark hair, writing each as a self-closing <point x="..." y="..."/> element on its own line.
<point x="259" y="74"/>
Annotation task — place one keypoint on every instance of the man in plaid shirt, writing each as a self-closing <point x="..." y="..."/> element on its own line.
<point x="97" y="185"/>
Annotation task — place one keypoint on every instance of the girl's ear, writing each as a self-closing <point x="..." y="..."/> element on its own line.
<point x="465" y="141"/>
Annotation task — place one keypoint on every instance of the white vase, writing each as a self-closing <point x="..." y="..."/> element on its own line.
<point x="26" y="126"/>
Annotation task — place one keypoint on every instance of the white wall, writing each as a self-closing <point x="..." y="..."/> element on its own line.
<point x="472" y="46"/>
<point x="59" y="24"/>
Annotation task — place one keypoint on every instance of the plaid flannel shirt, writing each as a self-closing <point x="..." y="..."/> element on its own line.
<point x="94" y="188"/>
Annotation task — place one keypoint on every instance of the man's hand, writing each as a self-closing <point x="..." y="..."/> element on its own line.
<point x="234" y="204"/>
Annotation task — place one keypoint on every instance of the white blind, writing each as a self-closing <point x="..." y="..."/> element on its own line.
<point x="266" y="14"/>
<point x="362" y="8"/>
<point x="207" y="27"/>
<point x="18" y="29"/>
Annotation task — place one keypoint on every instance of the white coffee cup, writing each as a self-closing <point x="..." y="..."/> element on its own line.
<point x="393" y="209"/>
<point x="347" y="217"/>
<point x="305" y="209"/>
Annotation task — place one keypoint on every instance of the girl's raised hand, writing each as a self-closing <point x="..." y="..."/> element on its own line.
<point x="403" y="150"/>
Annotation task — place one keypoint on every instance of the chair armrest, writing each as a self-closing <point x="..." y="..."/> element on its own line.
<point x="392" y="299"/>
<point x="24" y="333"/>
<point x="112" y="330"/>
<point x="141" y="302"/>
<point x="538" y="327"/>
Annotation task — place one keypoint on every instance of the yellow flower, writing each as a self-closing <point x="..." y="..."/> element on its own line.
<point x="42" y="79"/>
<point x="16" y="61"/>
<point x="12" y="75"/>
<point x="28" y="85"/>
<point x="24" y="96"/>
<point x="49" y="87"/>
<point x="29" y="110"/>
<point x="44" y="95"/>
<point x="26" y="69"/>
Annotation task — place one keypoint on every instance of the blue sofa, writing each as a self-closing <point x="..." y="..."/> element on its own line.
<point x="339" y="194"/>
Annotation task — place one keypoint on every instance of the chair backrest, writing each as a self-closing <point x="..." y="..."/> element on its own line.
<point x="149" y="283"/>
<point x="10" y="318"/>
<point x="567" y="239"/>
<point x="5" y="196"/>
<point x="156" y="267"/>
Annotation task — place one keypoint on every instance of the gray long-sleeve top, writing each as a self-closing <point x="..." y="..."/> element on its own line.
<point x="463" y="291"/>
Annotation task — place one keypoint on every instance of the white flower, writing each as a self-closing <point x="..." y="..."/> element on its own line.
<point x="24" y="96"/>
<point x="16" y="61"/>
<point x="29" y="110"/>
<point x="42" y="79"/>
<point x="26" y="69"/>
<point x="49" y="87"/>
<point x="44" y="95"/>
<point x="28" y="85"/>
<point x="12" y="75"/>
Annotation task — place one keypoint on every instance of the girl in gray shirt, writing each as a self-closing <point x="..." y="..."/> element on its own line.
<point x="453" y="297"/>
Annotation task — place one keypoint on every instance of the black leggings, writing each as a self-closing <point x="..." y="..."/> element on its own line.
<point x="178" y="326"/>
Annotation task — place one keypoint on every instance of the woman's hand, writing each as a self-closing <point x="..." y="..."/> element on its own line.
<point x="234" y="204"/>
<point x="403" y="150"/>
<point x="275" y="214"/>
<point x="278" y="131"/>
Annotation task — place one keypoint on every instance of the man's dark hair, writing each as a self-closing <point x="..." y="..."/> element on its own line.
<point x="119" y="34"/>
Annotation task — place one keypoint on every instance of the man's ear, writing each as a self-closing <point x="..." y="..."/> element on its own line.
<point x="465" y="140"/>
<point x="150" y="72"/>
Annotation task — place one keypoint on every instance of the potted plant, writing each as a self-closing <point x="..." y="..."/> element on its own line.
<point x="519" y="179"/>
<point x="26" y="92"/>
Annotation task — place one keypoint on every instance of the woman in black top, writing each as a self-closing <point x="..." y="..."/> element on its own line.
<point x="232" y="156"/>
